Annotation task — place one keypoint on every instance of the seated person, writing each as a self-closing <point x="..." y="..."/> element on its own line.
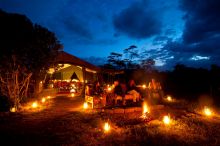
<point x="118" y="91"/>
<point x="97" y="90"/>
<point x="133" y="90"/>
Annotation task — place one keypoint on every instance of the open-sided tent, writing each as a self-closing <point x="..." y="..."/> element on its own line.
<point x="70" y="64"/>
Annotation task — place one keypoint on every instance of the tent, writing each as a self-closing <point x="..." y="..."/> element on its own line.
<point x="70" y="65"/>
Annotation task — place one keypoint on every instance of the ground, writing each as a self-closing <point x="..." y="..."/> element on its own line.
<point x="63" y="121"/>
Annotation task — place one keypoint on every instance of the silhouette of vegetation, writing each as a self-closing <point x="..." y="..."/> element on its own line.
<point x="115" y="60"/>
<point x="129" y="60"/>
<point x="183" y="82"/>
<point x="131" y="57"/>
<point x="26" y="52"/>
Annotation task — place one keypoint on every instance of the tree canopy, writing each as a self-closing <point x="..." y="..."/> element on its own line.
<point x="33" y="46"/>
<point x="26" y="51"/>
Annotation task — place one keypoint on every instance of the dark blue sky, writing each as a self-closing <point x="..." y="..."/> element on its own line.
<point x="169" y="31"/>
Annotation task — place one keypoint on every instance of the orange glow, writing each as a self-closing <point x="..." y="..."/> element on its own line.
<point x="72" y="94"/>
<point x="48" y="97"/>
<point x="13" y="109"/>
<point x="85" y="105"/>
<point x="144" y="86"/>
<point x="169" y="98"/>
<point x="107" y="127"/>
<point x="43" y="100"/>
<point x="166" y="120"/>
<point x="109" y="88"/>
<point x="207" y="111"/>
<point x="145" y="108"/>
<point x="34" y="104"/>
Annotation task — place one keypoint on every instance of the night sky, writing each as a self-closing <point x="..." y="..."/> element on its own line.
<point x="169" y="31"/>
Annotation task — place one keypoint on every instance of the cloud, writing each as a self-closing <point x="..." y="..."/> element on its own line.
<point x="138" y="21"/>
<point x="199" y="45"/>
<point x="96" y="60"/>
<point x="169" y="32"/>
<point x="160" y="40"/>
<point x="201" y="19"/>
<point x="77" y="27"/>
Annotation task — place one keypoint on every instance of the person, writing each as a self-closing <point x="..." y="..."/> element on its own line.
<point x="131" y="86"/>
<point x="155" y="92"/>
<point x="117" y="91"/>
<point x="132" y="90"/>
<point x="97" y="90"/>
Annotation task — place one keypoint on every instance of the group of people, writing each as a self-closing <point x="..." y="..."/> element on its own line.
<point x="120" y="92"/>
<point x="124" y="92"/>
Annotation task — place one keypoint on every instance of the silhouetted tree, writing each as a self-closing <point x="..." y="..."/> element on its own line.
<point x="131" y="53"/>
<point x="26" y="51"/>
<point x="115" y="59"/>
<point x="147" y="64"/>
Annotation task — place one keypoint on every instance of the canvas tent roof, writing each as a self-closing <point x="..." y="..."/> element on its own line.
<point x="64" y="57"/>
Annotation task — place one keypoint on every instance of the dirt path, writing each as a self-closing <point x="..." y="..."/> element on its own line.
<point x="64" y="122"/>
<point x="38" y="128"/>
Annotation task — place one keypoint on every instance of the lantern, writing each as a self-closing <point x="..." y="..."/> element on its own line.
<point x="145" y="109"/>
<point x="169" y="98"/>
<point x="43" y="100"/>
<point x="166" y="120"/>
<point x="13" y="109"/>
<point x="207" y="111"/>
<point x="109" y="89"/>
<point x="34" y="105"/>
<point x="85" y="105"/>
<point x="106" y="127"/>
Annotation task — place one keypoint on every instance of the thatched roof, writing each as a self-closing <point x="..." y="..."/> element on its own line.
<point x="66" y="58"/>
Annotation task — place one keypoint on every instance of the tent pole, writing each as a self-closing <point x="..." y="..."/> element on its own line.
<point x="84" y="81"/>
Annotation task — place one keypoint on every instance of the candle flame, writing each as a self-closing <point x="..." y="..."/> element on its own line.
<point x="13" y="109"/>
<point x="106" y="127"/>
<point x="109" y="88"/>
<point x="166" y="120"/>
<point x="145" y="109"/>
<point x="85" y="105"/>
<point x="34" y="104"/>
<point x="169" y="98"/>
<point x="43" y="100"/>
<point x="207" y="111"/>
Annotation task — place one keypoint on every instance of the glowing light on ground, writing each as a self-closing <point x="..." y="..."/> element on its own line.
<point x="34" y="105"/>
<point x="169" y="98"/>
<point x="166" y="120"/>
<point x="145" y="108"/>
<point x="13" y="109"/>
<point x="109" y="89"/>
<point x="207" y="111"/>
<point x="106" y="127"/>
<point x="43" y="100"/>
<point x="72" y="94"/>
<point x="85" y="105"/>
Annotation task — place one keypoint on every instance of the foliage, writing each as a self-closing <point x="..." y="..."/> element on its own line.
<point x="26" y="51"/>
<point x="147" y="64"/>
<point x="115" y="60"/>
<point x="131" y="54"/>
<point x="130" y="59"/>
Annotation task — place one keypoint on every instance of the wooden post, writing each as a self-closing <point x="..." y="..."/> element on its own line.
<point x="84" y="83"/>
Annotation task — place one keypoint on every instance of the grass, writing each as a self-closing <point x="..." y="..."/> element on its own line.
<point x="86" y="128"/>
